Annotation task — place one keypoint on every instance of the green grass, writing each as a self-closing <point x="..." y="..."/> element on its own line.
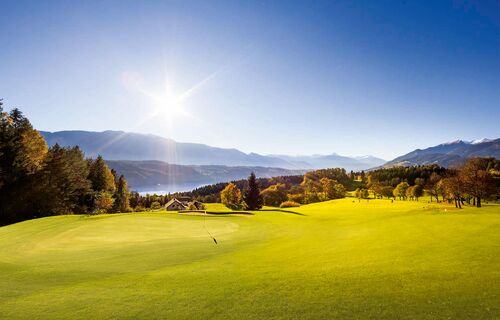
<point x="340" y="259"/>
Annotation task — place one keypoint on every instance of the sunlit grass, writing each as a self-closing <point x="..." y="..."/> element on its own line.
<point x="339" y="259"/>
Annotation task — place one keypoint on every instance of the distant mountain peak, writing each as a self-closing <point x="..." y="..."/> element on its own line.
<point x="449" y="154"/>
<point x="479" y="141"/>
<point x="476" y="141"/>
<point x="453" y="142"/>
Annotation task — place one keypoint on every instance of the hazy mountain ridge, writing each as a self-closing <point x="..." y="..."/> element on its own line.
<point x="119" y="145"/>
<point x="157" y="174"/>
<point x="449" y="154"/>
<point x="333" y="160"/>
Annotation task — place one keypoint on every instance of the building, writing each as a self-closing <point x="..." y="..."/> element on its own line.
<point x="182" y="203"/>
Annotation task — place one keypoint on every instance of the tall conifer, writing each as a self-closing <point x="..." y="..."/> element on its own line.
<point x="252" y="197"/>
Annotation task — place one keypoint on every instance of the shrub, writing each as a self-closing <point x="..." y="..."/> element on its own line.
<point x="140" y="209"/>
<point x="289" y="204"/>
<point x="233" y="206"/>
<point x="103" y="202"/>
<point x="311" y="197"/>
<point x="98" y="211"/>
<point x="155" y="205"/>
<point x="298" y="197"/>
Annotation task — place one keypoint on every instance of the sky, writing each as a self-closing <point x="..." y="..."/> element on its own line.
<point x="273" y="77"/>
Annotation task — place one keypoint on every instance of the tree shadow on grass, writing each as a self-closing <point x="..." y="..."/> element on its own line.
<point x="215" y="213"/>
<point x="286" y="211"/>
<point x="226" y="213"/>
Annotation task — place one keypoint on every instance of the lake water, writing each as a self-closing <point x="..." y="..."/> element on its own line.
<point x="165" y="189"/>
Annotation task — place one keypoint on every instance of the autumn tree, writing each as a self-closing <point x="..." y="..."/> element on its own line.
<point x="103" y="202"/>
<point x="121" y="196"/>
<point x="409" y="192"/>
<point x="453" y="188"/>
<point x="477" y="180"/>
<point x="376" y="188"/>
<point x="340" y="191"/>
<point x="387" y="191"/>
<point x="417" y="191"/>
<point x="362" y="193"/>
<point x="231" y="195"/>
<point x="433" y="187"/>
<point x="274" y="195"/>
<point x="400" y="190"/>
<point x="311" y="187"/>
<point x="332" y="189"/>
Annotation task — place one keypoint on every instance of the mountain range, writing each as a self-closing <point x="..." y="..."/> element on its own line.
<point x="152" y="175"/>
<point x="331" y="161"/>
<point x="119" y="145"/>
<point x="449" y="154"/>
<point x="151" y="162"/>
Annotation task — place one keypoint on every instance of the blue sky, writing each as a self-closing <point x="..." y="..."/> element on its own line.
<point x="312" y="77"/>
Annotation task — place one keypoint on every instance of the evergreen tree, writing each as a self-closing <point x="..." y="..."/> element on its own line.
<point x="100" y="176"/>
<point x="63" y="184"/>
<point x="122" y="203"/>
<point x="115" y="175"/>
<point x="252" y="197"/>
<point x="22" y="154"/>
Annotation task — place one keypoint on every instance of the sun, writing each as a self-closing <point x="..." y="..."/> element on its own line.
<point x="168" y="103"/>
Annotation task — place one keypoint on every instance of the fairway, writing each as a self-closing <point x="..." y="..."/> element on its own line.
<point x="340" y="259"/>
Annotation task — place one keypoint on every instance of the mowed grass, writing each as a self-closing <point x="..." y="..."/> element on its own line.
<point x="341" y="259"/>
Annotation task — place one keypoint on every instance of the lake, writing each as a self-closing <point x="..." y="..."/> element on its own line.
<point x="162" y="189"/>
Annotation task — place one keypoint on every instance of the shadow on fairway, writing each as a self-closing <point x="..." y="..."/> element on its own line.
<point x="216" y="212"/>
<point x="286" y="211"/>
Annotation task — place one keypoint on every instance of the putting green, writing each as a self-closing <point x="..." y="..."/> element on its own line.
<point x="337" y="259"/>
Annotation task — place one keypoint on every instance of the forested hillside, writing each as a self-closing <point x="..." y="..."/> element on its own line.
<point x="37" y="181"/>
<point x="144" y="174"/>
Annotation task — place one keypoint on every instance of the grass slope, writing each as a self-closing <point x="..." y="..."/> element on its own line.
<point x="340" y="259"/>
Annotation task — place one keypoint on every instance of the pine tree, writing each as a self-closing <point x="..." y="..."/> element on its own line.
<point x="252" y="197"/>
<point x="63" y="186"/>
<point x="122" y="202"/>
<point x="22" y="154"/>
<point x="101" y="176"/>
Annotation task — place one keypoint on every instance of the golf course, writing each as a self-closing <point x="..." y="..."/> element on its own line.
<point x="343" y="259"/>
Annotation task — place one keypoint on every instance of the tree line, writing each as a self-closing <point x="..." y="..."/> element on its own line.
<point x="37" y="181"/>
<point x="314" y="186"/>
<point x="477" y="180"/>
